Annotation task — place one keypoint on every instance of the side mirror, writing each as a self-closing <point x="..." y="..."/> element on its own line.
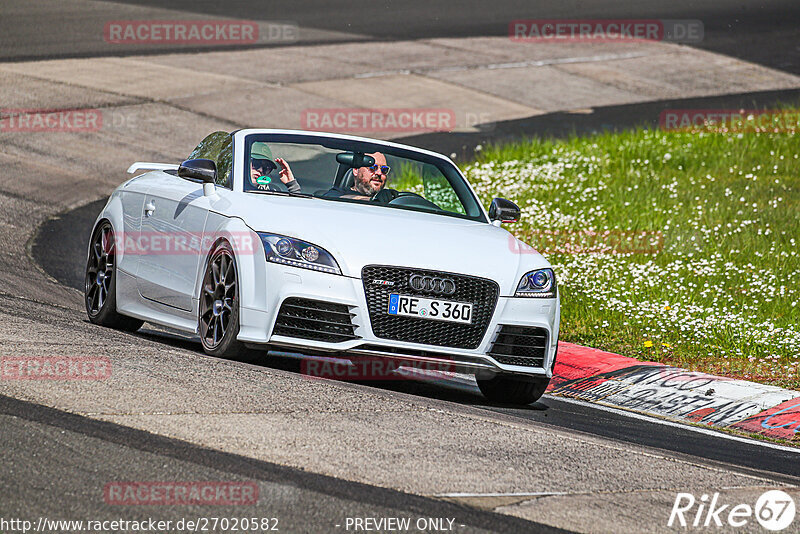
<point x="355" y="160"/>
<point x="204" y="170"/>
<point x="503" y="211"/>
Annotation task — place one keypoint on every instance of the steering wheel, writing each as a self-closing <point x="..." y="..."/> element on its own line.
<point x="385" y="195"/>
<point x="414" y="200"/>
<point x="401" y="194"/>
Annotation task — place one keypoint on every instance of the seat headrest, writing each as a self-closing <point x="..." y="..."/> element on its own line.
<point x="349" y="179"/>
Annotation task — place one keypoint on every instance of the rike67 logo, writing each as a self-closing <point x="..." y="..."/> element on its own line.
<point x="774" y="510"/>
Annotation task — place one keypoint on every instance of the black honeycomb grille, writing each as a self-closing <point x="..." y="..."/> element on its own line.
<point x="481" y="292"/>
<point x="520" y="345"/>
<point x="315" y="319"/>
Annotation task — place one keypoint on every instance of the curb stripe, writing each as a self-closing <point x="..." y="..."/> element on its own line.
<point x="671" y="392"/>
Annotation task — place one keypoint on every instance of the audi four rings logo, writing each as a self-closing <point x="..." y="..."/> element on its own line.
<point x="444" y="286"/>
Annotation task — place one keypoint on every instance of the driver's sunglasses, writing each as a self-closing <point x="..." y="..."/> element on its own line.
<point x="384" y="169"/>
<point x="260" y="163"/>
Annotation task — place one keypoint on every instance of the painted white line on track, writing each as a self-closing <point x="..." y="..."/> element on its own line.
<point x="708" y="432"/>
<point x="537" y="494"/>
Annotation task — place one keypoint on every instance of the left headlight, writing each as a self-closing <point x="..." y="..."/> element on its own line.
<point x="540" y="283"/>
<point x="297" y="253"/>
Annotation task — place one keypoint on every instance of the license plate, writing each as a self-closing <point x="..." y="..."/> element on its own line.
<point x="440" y="310"/>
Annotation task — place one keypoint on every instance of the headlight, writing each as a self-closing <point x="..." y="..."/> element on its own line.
<point x="541" y="284"/>
<point x="297" y="253"/>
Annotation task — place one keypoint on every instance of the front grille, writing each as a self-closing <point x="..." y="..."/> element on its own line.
<point x="482" y="293"/>
<point x="315" y="319"/>
<point x="520" y="345"/>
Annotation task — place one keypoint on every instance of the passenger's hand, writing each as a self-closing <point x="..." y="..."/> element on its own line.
<point x="285" y="172"/>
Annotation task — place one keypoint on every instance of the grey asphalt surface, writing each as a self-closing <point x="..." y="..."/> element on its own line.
<point x="765" y="32"/>
<point x="57" y="464"/>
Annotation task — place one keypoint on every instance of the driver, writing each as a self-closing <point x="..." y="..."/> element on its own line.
<point x="261" y="164"/>
<point x="368" y="183"/>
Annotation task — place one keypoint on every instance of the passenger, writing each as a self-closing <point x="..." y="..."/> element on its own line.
<point x="261" y="164"/>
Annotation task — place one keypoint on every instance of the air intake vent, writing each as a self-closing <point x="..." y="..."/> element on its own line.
<point x="520" y="345"/>
<point x="316" y="320"/>
<point x="481" y="292"/>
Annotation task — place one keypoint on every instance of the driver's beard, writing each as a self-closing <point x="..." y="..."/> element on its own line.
<point x="366" y="188"/>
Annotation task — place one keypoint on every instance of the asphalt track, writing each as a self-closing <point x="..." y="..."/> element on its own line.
<point x="98" y="449"/>
<point x="56" y="462"/>
<point x="764" y="32"/>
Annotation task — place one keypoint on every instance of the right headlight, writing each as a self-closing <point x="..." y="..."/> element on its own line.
<point x="298" y="253"/>
<point x="540" y="283"/>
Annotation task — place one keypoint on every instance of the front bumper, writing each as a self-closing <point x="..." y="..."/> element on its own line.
<point x="257" y="325"/>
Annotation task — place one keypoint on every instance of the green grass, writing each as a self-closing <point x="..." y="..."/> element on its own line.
<point x="714" y="287"/>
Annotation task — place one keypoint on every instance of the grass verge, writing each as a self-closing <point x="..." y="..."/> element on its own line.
<point x="671" y="246"/>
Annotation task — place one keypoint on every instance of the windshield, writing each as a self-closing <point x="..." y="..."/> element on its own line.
<point x="343" y="170"/>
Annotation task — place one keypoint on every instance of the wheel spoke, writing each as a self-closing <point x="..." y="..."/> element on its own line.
<point x="215" y="273"/>
<point x="223" y="268"/>
<point x="230" y="292"/>
<point x="104" y="240"/>
<point x="208" y="290"/>
<point x="90" y="295"/>
<point x="229" y="272"/>
<point x="210" y="326"/>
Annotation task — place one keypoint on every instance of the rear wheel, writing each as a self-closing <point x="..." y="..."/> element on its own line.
<point x="513" y="389"/>
<point x="100" y="293"/>
<point x="219" y="305"/>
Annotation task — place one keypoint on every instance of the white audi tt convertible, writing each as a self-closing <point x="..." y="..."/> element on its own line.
<point x="327" y="245"/>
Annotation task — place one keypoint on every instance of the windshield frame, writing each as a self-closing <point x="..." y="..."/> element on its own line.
<point x="448" y="169"/>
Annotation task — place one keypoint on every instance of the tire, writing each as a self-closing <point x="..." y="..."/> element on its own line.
<point x="218" y="321"/>
<point x="513" y="389"/>
<point x="100" y="288"/>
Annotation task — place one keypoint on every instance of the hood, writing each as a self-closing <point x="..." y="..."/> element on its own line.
<point x="359" y="235"/>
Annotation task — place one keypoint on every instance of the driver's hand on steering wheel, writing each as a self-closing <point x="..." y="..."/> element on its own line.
<point x="286" y="174"/>
<point x="385" y="195"/>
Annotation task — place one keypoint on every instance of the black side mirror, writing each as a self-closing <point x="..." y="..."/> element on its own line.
<point x="355" y="160"/>
<point x="504" y="211"/>
<point x="204" y="170"/>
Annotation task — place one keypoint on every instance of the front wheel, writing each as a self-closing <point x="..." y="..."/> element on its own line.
<point x="100" y="291"/>
<point x="513" y="389"/>
<point x="219" y="305"/>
